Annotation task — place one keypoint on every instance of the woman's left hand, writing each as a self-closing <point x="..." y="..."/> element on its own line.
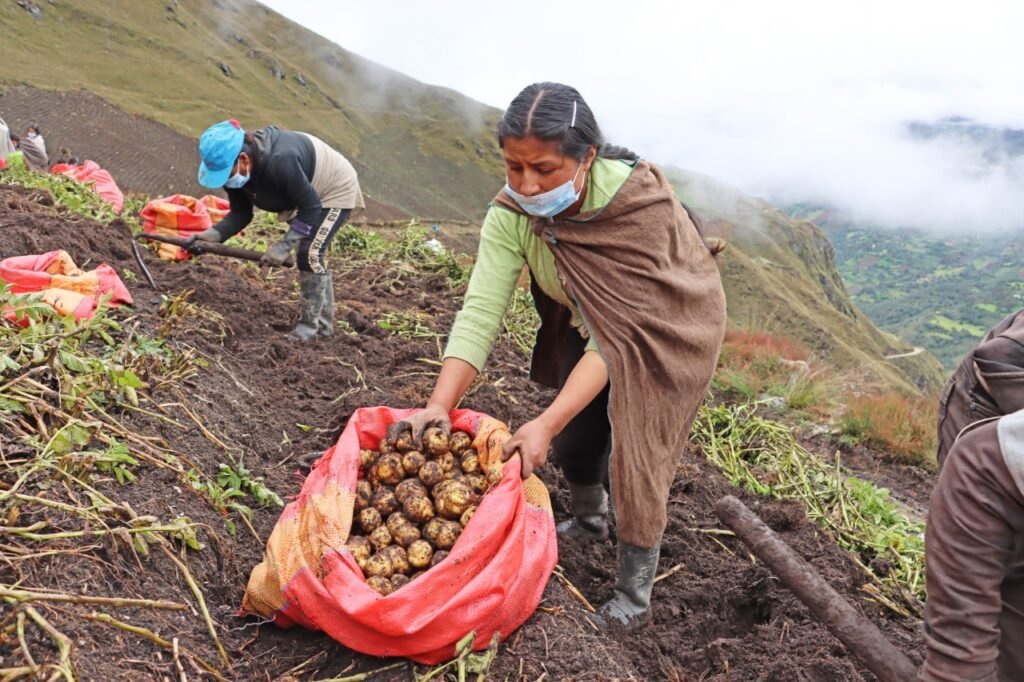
<point x="532" y="440"/>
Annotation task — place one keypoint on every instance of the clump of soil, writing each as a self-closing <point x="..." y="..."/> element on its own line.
<point x="717" y="615"/>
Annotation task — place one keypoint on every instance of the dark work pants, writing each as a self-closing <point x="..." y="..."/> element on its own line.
<point x="310" y="256"/>
<point x="584" y="445"/>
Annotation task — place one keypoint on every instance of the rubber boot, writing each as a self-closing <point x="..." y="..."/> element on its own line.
<point x="311" y="302"/>
<point x="589" y="506"/>
<point x="325" y="323"/>
<point x="637" y="569"/>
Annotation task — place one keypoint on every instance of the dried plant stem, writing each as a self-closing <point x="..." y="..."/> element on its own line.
<point x="200" y="600"/>
<point x="17" y="596"/>
<point x="155" y="639"/>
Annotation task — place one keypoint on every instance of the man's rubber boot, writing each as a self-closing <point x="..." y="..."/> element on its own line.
<point x="311" y="302"/>
<point x="589" y="506"/>
<point x="325" y="323"/>
<point x="637" y="569"/>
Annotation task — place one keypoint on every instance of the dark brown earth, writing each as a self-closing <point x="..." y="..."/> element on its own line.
<point x="719" y="616"/>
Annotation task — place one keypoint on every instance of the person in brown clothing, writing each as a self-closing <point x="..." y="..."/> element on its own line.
<point x="974" y="557"/>
<point x="632" y="319"/>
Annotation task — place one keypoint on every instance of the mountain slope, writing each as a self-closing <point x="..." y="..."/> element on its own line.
<point x="426" y="150"/>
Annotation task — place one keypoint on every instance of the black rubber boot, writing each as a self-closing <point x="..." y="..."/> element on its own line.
<point x="325" y="323"/>
<point x="638" y="567"/>
<point x="589" y="505"/>
<point x="311" y="302"/>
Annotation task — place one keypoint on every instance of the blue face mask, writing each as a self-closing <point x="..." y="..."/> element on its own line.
<point x="550" y="203"/>
<point x="236" y="181"/>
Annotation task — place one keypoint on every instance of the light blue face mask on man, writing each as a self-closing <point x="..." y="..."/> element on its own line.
<point x="550" y="203"/>
<point x="236" y="181"/>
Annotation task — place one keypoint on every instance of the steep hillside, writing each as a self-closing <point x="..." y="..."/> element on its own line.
<point x="780" y="275"/>
<point x="425" y="150"/>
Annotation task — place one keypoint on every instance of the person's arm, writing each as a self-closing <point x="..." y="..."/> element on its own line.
<point x="300" y="193"/>
<point x="533" y="439"/>
<point x="239" y="214"/>
<point x="975" y="519"/>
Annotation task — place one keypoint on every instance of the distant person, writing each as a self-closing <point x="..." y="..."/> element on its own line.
<point x="974" y="557"/>
<point x="988" y="383"/>
<point x="632" y="320"/>
<point x="33" y="147"/>
<point x="6" y="143"/>
<point x="310" y="185"/>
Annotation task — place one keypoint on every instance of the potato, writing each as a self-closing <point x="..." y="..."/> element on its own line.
<point x="412" y="461"/>
<point x="398" y="580"/>
<point x="459" y="442"/>
<point x="373" y="479"/>
<point x="389" y="469"/>
<point x="478" y="483"/>
<point x="409" y="487"/>
<point x="431" y="474"/>
<point x="447" y="461"/>
<point x="418" y="508"/>
<point x="369" y="519"/>
<point x="436" y="441"/>
<point x="404" y="441"/>
<point x="367" y="458"/>
<point x="438" y="558"/>
<point x="406" y="535"/>
<point x="453" y="499"/>
<point x="378" y="565"/>
<point x="396" y="520"/>
<point x="398" y="558"/>
<point x="470" y="463"/>
<point x="381" y="538"/>
<point x="416" y="574"/>
<point x="466" y="516"/>
<point x="420" y="553"/>
<point x="384" y="501"/>
<point x="494" y="475"/>
<point x="430" y="530"/>
<point x="448" y="533"/>
<point x="381" y="584"/>
<point x="385" y="447"/>
<point x="360" y="548"/>
<point x="363" y="493"/>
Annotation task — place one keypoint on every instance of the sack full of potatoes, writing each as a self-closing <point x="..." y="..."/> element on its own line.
<point x="396" y="552"/>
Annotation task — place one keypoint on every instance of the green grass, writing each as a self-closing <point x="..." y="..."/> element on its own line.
<point x="948" y="325"/>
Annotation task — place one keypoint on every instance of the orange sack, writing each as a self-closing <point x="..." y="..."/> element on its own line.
<point x="67" y="289"/>
<point x="490" y="583"/>
<point x="181" y="216"/>
<point x="101" y="181"/>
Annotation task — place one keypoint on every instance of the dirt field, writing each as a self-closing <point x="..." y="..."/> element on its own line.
<point x="719" y="616"/>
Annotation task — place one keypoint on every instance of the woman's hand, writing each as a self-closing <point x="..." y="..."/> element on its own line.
<point x="532" y="440"/>
<point x="431" y="415"/>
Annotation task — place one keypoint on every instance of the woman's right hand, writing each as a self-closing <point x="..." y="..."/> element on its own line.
<point x="431" y="415"/>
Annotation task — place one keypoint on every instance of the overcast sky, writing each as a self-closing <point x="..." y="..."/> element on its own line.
<point x="788" y="99"/>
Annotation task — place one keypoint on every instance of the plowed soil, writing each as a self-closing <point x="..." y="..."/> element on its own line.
<point x="718" y="615"/>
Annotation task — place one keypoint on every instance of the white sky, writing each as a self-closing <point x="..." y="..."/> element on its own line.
<point x="787" y="99"/>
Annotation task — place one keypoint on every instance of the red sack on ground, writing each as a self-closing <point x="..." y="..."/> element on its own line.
<point x="100" y="180"/>
<point x="181" y="216"/>
<point x="3" y="164"/>
<point x="490" y="583"/>
<point x="64" y="287"/>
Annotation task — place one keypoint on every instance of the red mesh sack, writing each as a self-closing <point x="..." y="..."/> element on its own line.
<point x="182" y="216"/>
<point x="490" y="583"/>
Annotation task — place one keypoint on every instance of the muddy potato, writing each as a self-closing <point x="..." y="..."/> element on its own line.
<point x="369" y="519"/>
<point x="431" y="474"/>
<point x="459" y="442"/>
<point x="418" y="509"/>
<point x="470" y="463"/>
<point x="398" y="580"/>
<point x="435" y="441"/>
<point x="431" y="528"/>
<point x="395" y="521"/>
<point x="420" y="553"/>
<point x="378" y="564"/>
<point x="404" y="441"/>
<point x="415" y="575"/>
<point x="389" y="469"/>
<point x="381" y="584"/>
<point x="446" y="460"/>
<point x="448" y="534"/>
<point x="398" y="558"/>
<point x="385" y="447"/>
<point x="360" y="548"/>
<point x="466" y="516"/>
<point x="478" y="483"/>
<point x="409" y="487"/>
<point x="453" y="499"/>
<point x="381" y="538"/>
<point x="412" y="461"/>
<point x="363" y="493"/>
<point x="384" y="501"/>
<point x="438" y="558"/>
<point x="406" y="535"/>
<point x="367" y="458"/>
